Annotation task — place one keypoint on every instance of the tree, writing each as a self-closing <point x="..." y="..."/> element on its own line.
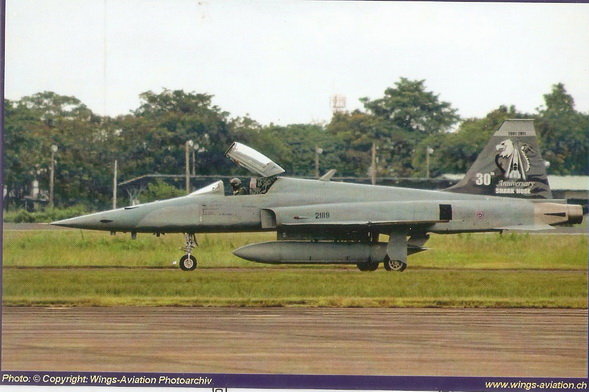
<point x="408" y="114"/>
<point x="171" y="118"/>
<point x="563" y="136"/>
<point x="409" y="108"/>
<point x="159" y="190"/>
<point x="39" y="121"/>
<point x="396" y="122"/>
<point x="51" y="108"/>
<point x="23" y="161"/>
<point x="564" y="133"/>
<point x="455" y="152"/>
<point x="355" y="132"/>
<point x="299" y="142"/>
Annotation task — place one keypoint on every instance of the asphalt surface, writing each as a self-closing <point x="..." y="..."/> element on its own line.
<point x="429" y="342"/>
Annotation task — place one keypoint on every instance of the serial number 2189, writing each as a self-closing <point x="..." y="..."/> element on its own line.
<point x="322" y="215"/>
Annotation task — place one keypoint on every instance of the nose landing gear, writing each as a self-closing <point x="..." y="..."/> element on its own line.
<point x="188" y="261"/>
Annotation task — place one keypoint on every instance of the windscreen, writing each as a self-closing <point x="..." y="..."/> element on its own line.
<point x="215" y="188"/>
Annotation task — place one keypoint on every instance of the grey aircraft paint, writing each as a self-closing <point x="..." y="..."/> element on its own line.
<point x="318" y="221"/>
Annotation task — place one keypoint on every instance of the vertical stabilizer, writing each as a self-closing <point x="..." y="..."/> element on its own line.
<point x="510" y="165"/>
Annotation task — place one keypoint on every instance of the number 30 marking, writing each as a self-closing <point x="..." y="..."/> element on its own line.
<point x="483" y="179"/>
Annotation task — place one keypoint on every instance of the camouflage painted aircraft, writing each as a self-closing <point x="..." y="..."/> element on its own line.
<point x="324" y="222"/>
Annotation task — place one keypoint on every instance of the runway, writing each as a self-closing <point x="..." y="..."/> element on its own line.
<point x="429" y="342"/>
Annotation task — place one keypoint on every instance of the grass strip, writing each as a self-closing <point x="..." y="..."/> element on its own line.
<point x="342" y="287"/>
<point x="69" y="248"/>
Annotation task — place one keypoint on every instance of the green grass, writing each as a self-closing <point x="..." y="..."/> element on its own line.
<point x="295" y="287"/>
<point x="505" y="251"/>
<point x="473" y="251"/>
<point x="70" y="248"/>
<point x="45" y="268"/>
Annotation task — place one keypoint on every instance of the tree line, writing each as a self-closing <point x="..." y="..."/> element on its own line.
<point x="403" y="123"/>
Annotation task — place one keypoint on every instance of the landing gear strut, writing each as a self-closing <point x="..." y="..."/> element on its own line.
<point x="396" y="258"/>
<point x="188" y="261"/>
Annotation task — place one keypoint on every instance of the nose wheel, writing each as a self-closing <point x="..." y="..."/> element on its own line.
<point x="188" y="261"/>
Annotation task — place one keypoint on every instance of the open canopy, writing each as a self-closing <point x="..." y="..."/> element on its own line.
<point x="253" y="160"/>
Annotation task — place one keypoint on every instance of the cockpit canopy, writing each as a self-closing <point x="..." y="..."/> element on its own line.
<point x="257" y="186"/>
<point x="253" y="160"/>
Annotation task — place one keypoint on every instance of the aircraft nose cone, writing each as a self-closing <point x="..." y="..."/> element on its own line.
<point x="80" y="222"/>
<point x="98" y="221"/>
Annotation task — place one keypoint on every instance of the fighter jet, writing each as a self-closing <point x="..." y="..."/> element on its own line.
<point x="326" y="222"/>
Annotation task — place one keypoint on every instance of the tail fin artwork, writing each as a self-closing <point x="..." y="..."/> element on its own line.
<point x="510" y="165"/>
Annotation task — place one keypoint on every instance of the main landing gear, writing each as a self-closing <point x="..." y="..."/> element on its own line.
<point x="396" y="252"/>
<point x="389" y="265"/>
<point x="368" y="266"/>
<point x="188" y="261"/>
<point x="394" y="265"/>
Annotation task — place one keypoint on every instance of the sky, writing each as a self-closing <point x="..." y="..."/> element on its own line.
<point x="281" y="61"/>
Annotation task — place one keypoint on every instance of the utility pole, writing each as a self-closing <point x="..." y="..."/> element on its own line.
<point x="114" y="187"/>
<point x="373" y="166"/>
<point x="189" y="144"/>
<point x="52" y="174"/>
<point x="428" y="150"/>
<point x="318" y="151"/>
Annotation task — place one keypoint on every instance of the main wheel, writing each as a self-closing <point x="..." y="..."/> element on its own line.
<point x="394" y="265"/>
<point x="187" y="263"/>
<point x="368" y="266"/>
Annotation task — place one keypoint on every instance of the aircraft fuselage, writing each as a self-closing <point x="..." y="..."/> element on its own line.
<point x="324" y="202"/>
